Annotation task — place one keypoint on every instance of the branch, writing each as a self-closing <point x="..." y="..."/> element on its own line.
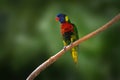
<point x="61" y="52"/>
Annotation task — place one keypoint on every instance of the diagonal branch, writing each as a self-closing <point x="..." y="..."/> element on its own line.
<point x="52" y="59"/>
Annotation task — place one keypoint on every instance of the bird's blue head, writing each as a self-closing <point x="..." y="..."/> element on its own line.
<point x="62" y="18"/>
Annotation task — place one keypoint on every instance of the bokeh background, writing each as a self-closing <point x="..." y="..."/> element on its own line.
<point x="29" y="35"/>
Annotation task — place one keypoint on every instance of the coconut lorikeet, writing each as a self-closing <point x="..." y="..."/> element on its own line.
<point x="69" y="34"/>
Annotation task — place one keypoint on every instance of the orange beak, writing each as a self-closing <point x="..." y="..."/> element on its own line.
<point x="57" y="18"/>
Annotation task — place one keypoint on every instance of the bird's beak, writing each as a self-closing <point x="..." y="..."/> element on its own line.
<point x="57" y="18"/>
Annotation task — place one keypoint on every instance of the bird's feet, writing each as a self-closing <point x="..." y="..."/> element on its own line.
<point x="64" y="48"/>
<point x="71" y="44"/>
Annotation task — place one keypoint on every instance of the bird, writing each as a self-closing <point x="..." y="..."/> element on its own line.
<point x="69" y="34"/>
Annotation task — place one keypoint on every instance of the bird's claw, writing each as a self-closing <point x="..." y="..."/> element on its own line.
<point x="71" y="43"/>
<point x="64" y="48"/>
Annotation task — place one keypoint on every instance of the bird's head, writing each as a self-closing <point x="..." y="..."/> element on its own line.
<point x="62" y="18"/>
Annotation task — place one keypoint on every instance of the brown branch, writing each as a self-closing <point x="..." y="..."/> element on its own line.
<point x="61" y="52"/>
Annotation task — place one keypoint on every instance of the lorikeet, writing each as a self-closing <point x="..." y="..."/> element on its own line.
<point x="69" y="33"/>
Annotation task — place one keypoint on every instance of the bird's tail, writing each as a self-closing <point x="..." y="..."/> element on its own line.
<point x="74" y="54"/>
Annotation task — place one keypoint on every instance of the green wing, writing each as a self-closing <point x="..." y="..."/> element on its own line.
<point x="75" y="34"/>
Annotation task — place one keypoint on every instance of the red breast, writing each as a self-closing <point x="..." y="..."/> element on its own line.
<point x="66" y="27"/>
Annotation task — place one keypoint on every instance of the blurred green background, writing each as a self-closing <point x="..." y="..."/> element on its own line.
<point x="29" y="35"/>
